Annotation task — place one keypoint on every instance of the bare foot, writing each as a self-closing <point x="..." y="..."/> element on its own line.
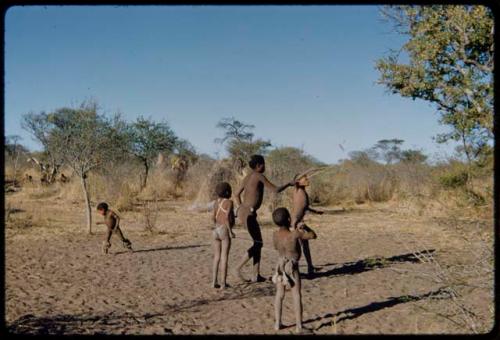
<point x="259" y="279"/>
<point x="224" y="286"/>
<point x="240" y="276"/>
<point x="303" y="330"/>
<point x="215" y="285"/>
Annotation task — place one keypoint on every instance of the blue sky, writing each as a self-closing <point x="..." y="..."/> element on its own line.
<point x="303" y="75"/>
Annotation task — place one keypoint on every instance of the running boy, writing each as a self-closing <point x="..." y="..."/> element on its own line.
<point x="287" y="275"/>
<point x="112" y="221"/>
<point x="224" y="221"/>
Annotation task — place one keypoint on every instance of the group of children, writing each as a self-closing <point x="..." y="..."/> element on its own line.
<point x="288" y="240"/>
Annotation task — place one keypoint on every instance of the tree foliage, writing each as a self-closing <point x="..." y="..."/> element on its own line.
<point x="239" y="140"/>
<point x="450" y="64"/>
<point x="148" y="138"/>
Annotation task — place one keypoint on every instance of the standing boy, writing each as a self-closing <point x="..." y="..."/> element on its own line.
<point x="253" y="188"/>
<point x="287" y="275"/>
<point x="112" y="221"/>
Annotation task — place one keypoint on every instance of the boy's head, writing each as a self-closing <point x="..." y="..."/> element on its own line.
<point x="223" y="190"/>
<point x="302" y="181"/>
<point x="257" y="163"/>
<point x="281" y="217"/>
<point x="102" y="208"/>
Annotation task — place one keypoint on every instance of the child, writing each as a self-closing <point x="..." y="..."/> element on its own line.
<point x="287" y="275"/>
<point x="253" y="192"/>
<point x="300" y="207"/>
<point x="224" y="221"/>
<point x="112" y="221"/>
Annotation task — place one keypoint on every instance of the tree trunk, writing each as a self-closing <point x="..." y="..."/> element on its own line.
<point x="145" y="178"/>
<point x="87" y="202"/>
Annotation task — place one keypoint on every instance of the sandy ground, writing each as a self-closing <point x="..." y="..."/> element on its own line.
<point x="58" y="282"/>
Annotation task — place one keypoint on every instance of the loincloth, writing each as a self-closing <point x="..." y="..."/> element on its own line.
<point x="220" y="232"/>
<point x="285" y="272"/>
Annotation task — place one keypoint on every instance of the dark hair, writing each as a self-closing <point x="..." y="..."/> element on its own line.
<point x="223" y="189"/>
<point x="281" y="216"/>
<point x="102" y="206"/>
<point x="255" y="160"/>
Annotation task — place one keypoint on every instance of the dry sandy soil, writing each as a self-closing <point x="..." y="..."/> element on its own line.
<point x="371" y="280"/>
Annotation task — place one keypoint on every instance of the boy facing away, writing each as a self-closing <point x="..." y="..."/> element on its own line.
<point x="299" y="208"/>
<point x="253" y="193"/>
<point x="287" y="276"/>
<point x="112" y="221"/>
<point x="223" y="219"/>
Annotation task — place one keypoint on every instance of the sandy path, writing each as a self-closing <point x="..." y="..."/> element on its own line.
<point x="63" y="284"/>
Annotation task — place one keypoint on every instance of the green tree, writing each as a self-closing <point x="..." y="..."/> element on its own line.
<point x="450" y="64"/>
<point x="388" y="150"/>
<point x="239" y="141"/>
<point x="413" y="156"/>
<point x="147" y="139"/>
<point x="39" y="127"/>
<point x="85" y="140"/>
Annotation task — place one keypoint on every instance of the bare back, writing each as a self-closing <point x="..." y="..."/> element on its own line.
<point x="223" y="212"/>
<point x="111" y="219"/>
<point x="287" y="244"/>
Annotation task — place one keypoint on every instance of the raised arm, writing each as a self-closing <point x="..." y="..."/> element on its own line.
<point x="273" y="187"/>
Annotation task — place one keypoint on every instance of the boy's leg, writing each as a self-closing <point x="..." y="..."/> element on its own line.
<point x="256" y="249"/>
<point x="278" y="303"/>
<point x="244" y="215"/>
<point x="297" y="301"/>
<point x="226" y="246"/>
<point x="107" y="244"/>
<point x="126" y="243"/>
<point x="307" y="252"/>
<point x="215" y="267"/>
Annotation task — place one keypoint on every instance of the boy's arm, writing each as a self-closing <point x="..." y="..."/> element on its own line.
<point x="214" y="211"/>
<point x="237" y="195"/>
<point x="306" y="235"/>
<point x="314" y="211"/>
<point x="230" y="214"/>
<point x="273" y="187"/>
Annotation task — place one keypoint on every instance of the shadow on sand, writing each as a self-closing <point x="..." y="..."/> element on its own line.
<point x="160" y="249"/>
<point x="367" y="264"/>
<point x="352" y="313"/>
<point x="104" y="323"/>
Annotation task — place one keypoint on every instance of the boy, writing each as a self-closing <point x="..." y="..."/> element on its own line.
<point x="112" y="221"/>
<point x="299" y="209"/>
<point x="224" y="221"/>
<point x="253" y="187"/>
<point x="287" y="275"/>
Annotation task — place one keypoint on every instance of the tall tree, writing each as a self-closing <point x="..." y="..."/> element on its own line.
<point x="39" y="127"/>
<point x="239" y="141"/>
<point x="450" y="64"/>
<point x="85" y="140"/>
<point x="149" y="138"/>
<point x="388" y="149"/>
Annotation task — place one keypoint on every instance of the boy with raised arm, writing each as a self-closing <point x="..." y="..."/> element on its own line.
<point x="299" y="209"/>
<point x="253" y="192"/>
<point x="286" y="242"/>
